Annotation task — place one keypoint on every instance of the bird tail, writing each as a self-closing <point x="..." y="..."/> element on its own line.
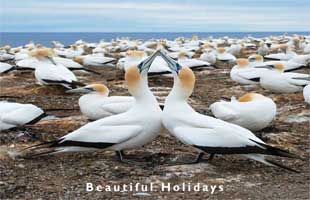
<point x="275" y="164"/>
<point x="42" y="145"/>
<point x="76" y="84"/>
<point x="91" y="71"/>
<point x="262" y="159"/>
<point x="274" y="151"/>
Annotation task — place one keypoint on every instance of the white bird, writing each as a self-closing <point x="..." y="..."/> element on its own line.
<point x="306" y="93"/>
<point x="139" y="125"/>
<point x="263" y="49"/>
<point x="191" y="62"/>
<point x="97" y="104"/>
<point x="28" y="63"/>
<point x="281" y="56"/>
<point x="48" y="73"/>
<point x="94" y="60"/>
<point x="208" y="134"/>
<point x="16" y="114"/>
<point x="72" y="65"/>
<point x="244" y="74"/>
<point x="252" y="111"/>
<point x="222" y="55"/>
<point x="5" y="67"/>
<point x="278" y="81"/>
<point x="208" y="56"/>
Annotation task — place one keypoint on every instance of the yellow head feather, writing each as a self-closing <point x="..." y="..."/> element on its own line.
<point x="242" y="62"/>
<point x="79" y="59"/>
<point x="132" y="77"/>
<point x="220" y="50"/>
<point x="101" y="88"/>
<point x="187" y="78"/>
<point x="279" y="67"/>
<point x="138" y="54"/>
<point x="42" y="52"/>
<point x="249" y="97"/>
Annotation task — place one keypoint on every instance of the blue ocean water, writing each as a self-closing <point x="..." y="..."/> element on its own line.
<point x="17" y="39"/>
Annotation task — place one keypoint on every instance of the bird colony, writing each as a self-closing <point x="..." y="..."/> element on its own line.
<point x="188" y="96"/>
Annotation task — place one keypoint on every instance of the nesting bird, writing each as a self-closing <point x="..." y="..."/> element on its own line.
<point x="252" y="111"/>
<point x="97" y="104"/>
<point x="17" y="115"/>
<point x="47" y="72"/>
<point x="278" y="81"/>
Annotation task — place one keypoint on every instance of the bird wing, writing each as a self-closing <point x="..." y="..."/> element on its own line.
<point x="291" y="77"/>
<point x="250" y="74"/>
<point x="102" y="134"/>
<point x="55" y="73"/>
<point x="219" y="137"/>
<point x="116" y="108"/>
<point x="224" y="111"/>
<point x="22" y="115"/>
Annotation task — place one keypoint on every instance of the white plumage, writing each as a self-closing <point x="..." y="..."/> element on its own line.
<point x="252" y="111"/>
<point x="16" y="114"/>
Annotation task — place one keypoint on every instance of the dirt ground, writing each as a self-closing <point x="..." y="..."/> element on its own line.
<point x="64" y="176"/>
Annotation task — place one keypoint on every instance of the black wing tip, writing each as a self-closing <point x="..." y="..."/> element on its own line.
<point x="270" y="150"/>
<point x="282" y="166"/>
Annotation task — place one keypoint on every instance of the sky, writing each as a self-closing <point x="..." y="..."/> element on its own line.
<point x="154" y="15"/>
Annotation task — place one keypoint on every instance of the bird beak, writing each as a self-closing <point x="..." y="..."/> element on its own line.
<point x="172" y="64"/>
<point x="81" y="90"/>
<point x="146" y="64"/>
<point x="265" y="67"/>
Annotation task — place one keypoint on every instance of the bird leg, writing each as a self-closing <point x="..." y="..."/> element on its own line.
<point x="120" y="155"/>
<point x="195" y="161"/>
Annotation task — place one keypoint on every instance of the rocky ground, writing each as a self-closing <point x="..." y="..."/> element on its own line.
<point x="65" y="176"/>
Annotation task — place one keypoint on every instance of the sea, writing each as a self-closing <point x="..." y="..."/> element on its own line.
<point x="44" y="38"/>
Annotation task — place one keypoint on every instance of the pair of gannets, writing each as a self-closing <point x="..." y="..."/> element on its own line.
<point x="47" y="72"/>
<point x="276" y="80"/>
<point x="16" y="115"/>
<point x="142" y="122"/>
<point x="252" y="111"/>
<point x="132" y="129"/>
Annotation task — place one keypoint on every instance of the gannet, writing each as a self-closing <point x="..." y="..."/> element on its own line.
<point x="191" y="62"/>
<point x="222" y="55"/>
<point x="49" y="73"/>
<point x="252" y="111"/>
<point x="208" y="56"/>
<point x="281" y="56"/>
<point x="263" y="50"/>
<point x="57" y="44"/>
<point x="278" y="81"/>
<point x="132" y="129"/>
<point x="72" y="65"/>
<point x="306" y="93"/>
<point x="5" y="55"/>
<point x="244" y="74"/>
<point x="5" y="67"/>
<point x="96" y="104"/>
<point x="28" y="63"/>
<point x="208" y="134"/>
<point x="94" y="60"/>
<point x="73" y="52"/>
<point x="17" y="114"/>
